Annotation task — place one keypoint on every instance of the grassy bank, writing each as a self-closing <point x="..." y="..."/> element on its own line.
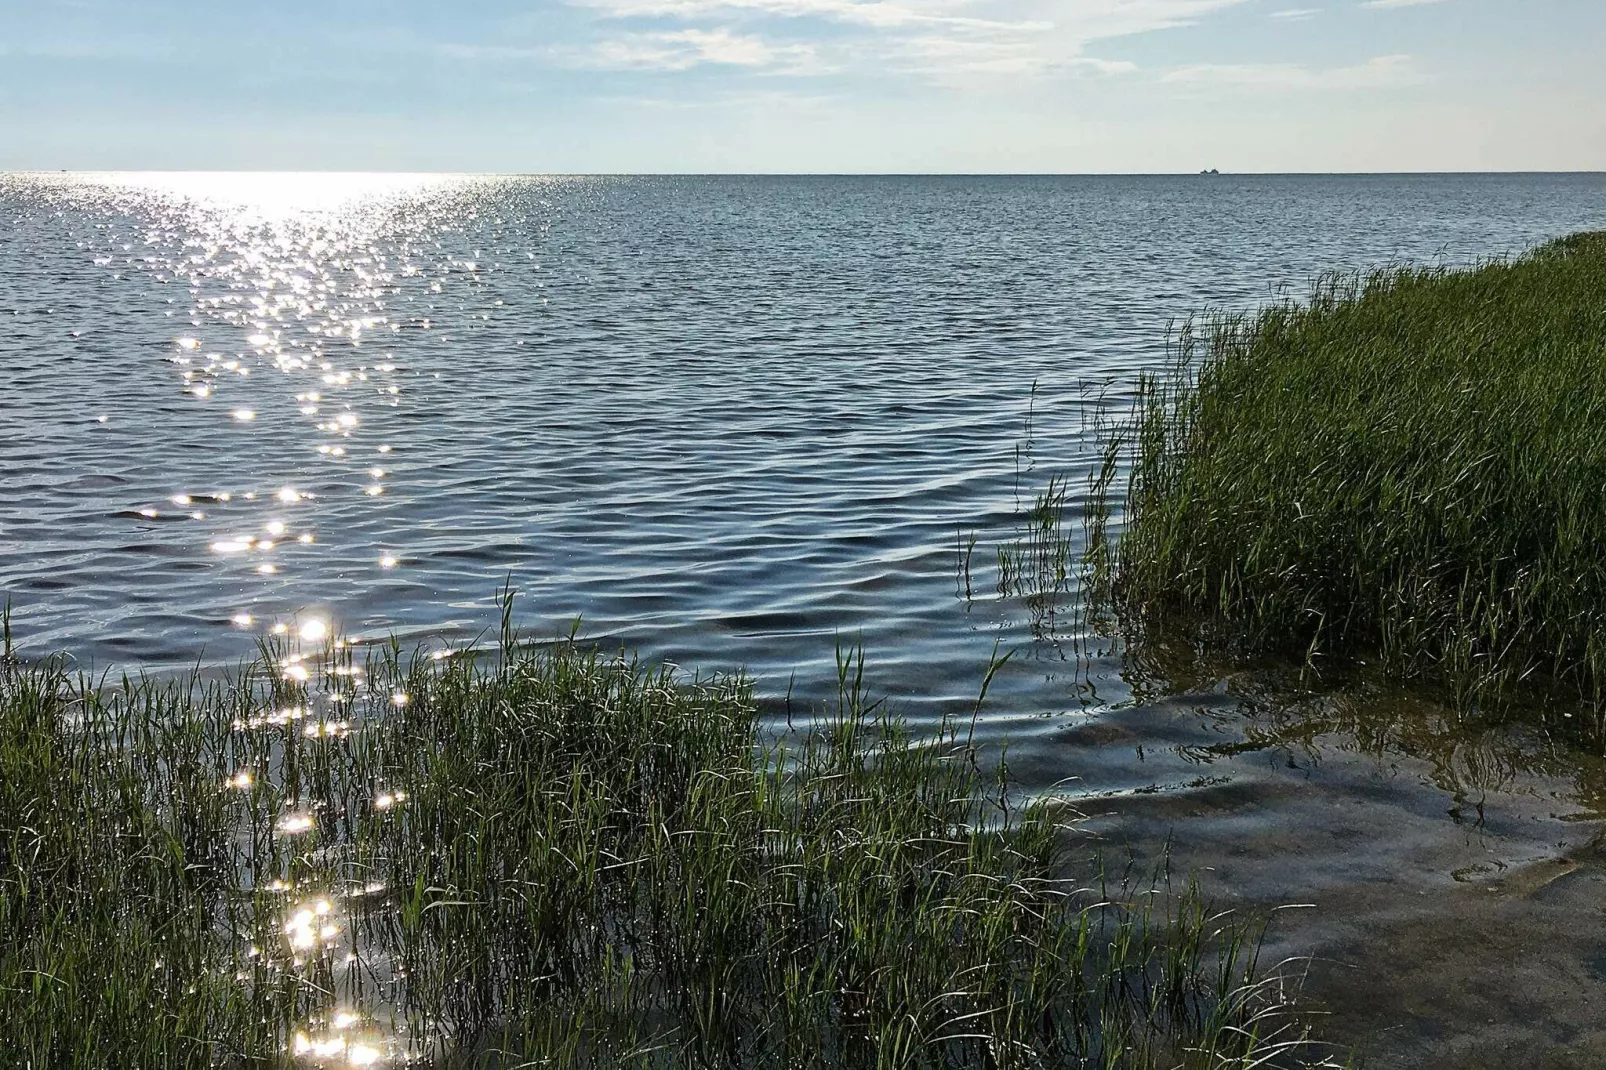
<point x="552" y="858"/>
<point x="1409" y="466"/>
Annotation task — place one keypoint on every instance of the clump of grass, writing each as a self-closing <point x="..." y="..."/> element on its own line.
<point x="1407" y="466"/>
<point x="551" y="857"/>
<point x="1038" y="565"/>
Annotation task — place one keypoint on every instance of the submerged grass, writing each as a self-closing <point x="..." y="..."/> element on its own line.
<point x="554" y="858"/>
<point x="1407" y="466"/>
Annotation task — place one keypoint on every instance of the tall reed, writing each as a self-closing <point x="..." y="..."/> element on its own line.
<point x="1409" y="466"/>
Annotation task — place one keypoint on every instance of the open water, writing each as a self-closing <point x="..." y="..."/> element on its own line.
<point x="725" y="420"/>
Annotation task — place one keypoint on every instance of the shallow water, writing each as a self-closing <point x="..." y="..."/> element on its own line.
<point x="730" y="422"/>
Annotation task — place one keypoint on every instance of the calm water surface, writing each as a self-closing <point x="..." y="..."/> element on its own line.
<point x="731" y="421"/>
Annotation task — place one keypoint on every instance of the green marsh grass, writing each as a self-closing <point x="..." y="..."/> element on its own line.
<point x="545" y="856"/>
<point x="1408" y="467"/>
<point x="1039" y="564"/>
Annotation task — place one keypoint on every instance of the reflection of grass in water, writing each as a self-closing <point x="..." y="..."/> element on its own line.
<point x="566" y="857"/>
<point x="1279" y="706"/>
<point x="1410" y="463"/>
<point x="1038" y="566"/>
<point x="1041" y="563"/>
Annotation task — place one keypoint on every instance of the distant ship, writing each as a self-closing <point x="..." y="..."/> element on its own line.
<point x="1211" y="171"/>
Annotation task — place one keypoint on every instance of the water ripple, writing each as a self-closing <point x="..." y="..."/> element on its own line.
<point x="730" y="420"/>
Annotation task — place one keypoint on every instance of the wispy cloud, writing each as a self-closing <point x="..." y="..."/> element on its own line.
<point x="675" y="50"/>
<point x="1379" y="72"/>
<point x="1297" y="14"/>
<point x="949" y="55"/>
<point x="860" y="12"/>
<point x="756" y="100"/>
<point x="942" y="39"/>
<point x="1399" y="3"/>
<point x="681" y="50"/>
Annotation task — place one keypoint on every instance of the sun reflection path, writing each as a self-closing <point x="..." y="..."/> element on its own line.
<point x="290" y="335"/>
<point x="293" y="337"/>
<point x="317" y="895"/>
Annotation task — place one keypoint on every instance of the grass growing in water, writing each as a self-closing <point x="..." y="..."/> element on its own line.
<point x="1411" y="464"/>
<point x="555" y="858"/>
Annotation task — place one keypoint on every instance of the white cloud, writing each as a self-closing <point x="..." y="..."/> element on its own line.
<point x="1297" y="14"/>
<point x="1104" y="66"/>
<point x="1399" y="3"/>
<point x="1083" y="20"/>
<point x="863" y="12"/>
<point x="943" y="39"/>
<point x="676" y="50"/>
<point x="768" y="101"/>
<point x="1379" y="72"/>
<point x="681" y="50"/>
<point x="944" y="55"/>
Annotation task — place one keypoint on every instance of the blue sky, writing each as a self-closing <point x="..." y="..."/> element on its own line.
<point x="804" y="85"/>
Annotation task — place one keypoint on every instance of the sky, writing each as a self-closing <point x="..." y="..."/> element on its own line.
<point x="1078" y="86"/>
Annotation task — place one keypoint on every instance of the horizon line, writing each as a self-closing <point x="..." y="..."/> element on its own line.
<point x="1209" y="173"/>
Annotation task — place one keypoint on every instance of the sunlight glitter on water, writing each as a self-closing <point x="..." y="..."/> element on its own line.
<point x="316" y="943"/>
<point x="721" y="420"/>
<point x="246" y="197"/>
<point x="288" y="280"/>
